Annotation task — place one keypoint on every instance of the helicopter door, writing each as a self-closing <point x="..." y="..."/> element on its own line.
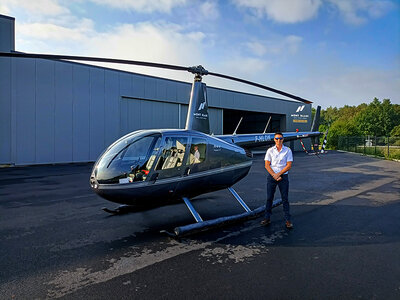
<point x="196" y="161"/>
<point x="170" y="161"/>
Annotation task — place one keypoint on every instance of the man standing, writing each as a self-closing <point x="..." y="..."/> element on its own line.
<point x="278" y="161"/>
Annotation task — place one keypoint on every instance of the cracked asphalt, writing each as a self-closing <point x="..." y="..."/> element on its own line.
<point x="56" y="242"/>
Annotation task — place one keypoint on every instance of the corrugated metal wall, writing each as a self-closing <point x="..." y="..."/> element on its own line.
<point x="53" y="111"/>
<point x="7" y="33"/>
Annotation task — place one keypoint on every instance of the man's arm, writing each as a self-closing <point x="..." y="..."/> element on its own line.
<point x="270" y="171"/>
<point x="277" y="176"/>
<point x="285" y="169"/>
<point x="268" y="167"/>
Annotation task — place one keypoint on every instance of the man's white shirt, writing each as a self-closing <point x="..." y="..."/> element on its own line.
<point x="278" y="159"/>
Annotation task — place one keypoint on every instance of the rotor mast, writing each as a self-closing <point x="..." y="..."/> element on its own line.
<point x="197" y="117"/>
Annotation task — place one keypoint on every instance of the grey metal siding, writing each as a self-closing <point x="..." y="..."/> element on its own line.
<point x="97" y="112"/>
<point x="7" y="34"/>
<point x="53" y="111"/>
<point x="215" y="120"/>
<point x="183" y="116"/>
<point x="63" y="113"/>
<point x="25" y="111"/>
<point x="80" y="116"/>
<point x="111" y="106"/>
<point x="5" y="110"/>
<point x="147" y="114"/>
<point x="44" y="109"/>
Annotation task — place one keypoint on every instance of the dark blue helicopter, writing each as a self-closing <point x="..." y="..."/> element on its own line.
<point x="149" y="168"/>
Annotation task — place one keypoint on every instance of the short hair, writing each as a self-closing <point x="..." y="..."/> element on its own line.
<point x="278" y="133"/>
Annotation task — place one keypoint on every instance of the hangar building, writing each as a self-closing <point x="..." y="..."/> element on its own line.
<point x="54" y="111"/>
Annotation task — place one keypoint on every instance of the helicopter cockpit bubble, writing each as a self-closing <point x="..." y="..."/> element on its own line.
<point x="128" y="160"/>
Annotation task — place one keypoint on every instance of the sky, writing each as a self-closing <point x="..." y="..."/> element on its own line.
<point x="332" y="52"/>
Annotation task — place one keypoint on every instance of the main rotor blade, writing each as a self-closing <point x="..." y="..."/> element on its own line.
<point x="261" y="87"/>
<point x="200" y="70"/>
<point x="97" y="59"/>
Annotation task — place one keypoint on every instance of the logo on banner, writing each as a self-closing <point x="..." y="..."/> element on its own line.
<point x="299" y="117"/>
<point x="202" y="105"/>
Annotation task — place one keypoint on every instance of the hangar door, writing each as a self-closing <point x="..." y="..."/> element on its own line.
<point x="253" y="122"/>
<point x="138" y="114"/>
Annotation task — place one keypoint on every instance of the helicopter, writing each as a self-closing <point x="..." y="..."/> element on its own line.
<point x="156" y="167"/>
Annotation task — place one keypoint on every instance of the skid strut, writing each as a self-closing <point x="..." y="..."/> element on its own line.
<point x="240" y="200"/>
<point x="201" y="225"/>
<point x="194" y="213"/>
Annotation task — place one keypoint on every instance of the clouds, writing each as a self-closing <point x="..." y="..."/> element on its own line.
<point x="352" y="86"/>
<point x="209" y="10"/>
<point x="285" y="11"/>
<point x="355" y="12"/>
<point x="143" y="6"/>
<point x="53" y="32"/>
<point x="158" y="42"/>
<point x="275" y="46"/>
<point x="41" y="7"/>
<point x="163" y="42"/>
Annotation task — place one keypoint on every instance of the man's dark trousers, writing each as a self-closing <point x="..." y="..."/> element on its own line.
<point x="284" y="189"/>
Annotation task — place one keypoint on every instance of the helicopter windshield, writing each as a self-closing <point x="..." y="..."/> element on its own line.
<point x="128" y="160"/>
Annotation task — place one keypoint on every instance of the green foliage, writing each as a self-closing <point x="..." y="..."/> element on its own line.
<point x="376" y="118"/>
<point x="341" y="127"/>
<point x="395" y="131"/>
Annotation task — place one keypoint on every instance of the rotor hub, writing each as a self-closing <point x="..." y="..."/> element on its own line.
<point x="198" y="70"/>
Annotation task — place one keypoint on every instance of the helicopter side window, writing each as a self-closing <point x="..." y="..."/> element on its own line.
<point x="173" y="153"/>
<point x="197" y="151"/>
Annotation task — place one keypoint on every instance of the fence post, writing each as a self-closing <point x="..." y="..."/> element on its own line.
<point x="355" y="145"/>
<point x="364" y="144"/>
<point x="375" y="145"/>
<point x="388" y="146"/>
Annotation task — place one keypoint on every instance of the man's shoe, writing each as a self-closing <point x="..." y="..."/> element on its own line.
<point x="289" y="225"/>
<point x="265" y="222"/>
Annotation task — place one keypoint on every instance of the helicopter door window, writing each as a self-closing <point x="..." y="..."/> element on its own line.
<point x="172" y="154"/>
<point x="197" y="151"/>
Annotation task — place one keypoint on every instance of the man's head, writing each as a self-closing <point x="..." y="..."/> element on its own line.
<point x="278" y="138"/>
<point x="196" y="148"/>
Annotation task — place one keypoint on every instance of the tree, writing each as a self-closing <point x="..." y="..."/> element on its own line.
<point x="341" y="127"/>
<point x="388" y="117"/>
<point x="376" y="118"/>
<point x="369" y="119"/>
<point x="395" y="131"/>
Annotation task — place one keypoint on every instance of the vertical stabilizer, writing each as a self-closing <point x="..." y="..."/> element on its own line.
<point x="197" y="117"/>
<point x="315" y="123"/>
<point x="315" y="127"/>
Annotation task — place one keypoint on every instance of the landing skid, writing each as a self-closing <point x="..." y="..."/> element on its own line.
<point x="122" y="209"/>
<point x="201" y="225"/>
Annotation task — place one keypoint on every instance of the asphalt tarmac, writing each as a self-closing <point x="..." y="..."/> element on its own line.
<point x="56" y="242"/>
